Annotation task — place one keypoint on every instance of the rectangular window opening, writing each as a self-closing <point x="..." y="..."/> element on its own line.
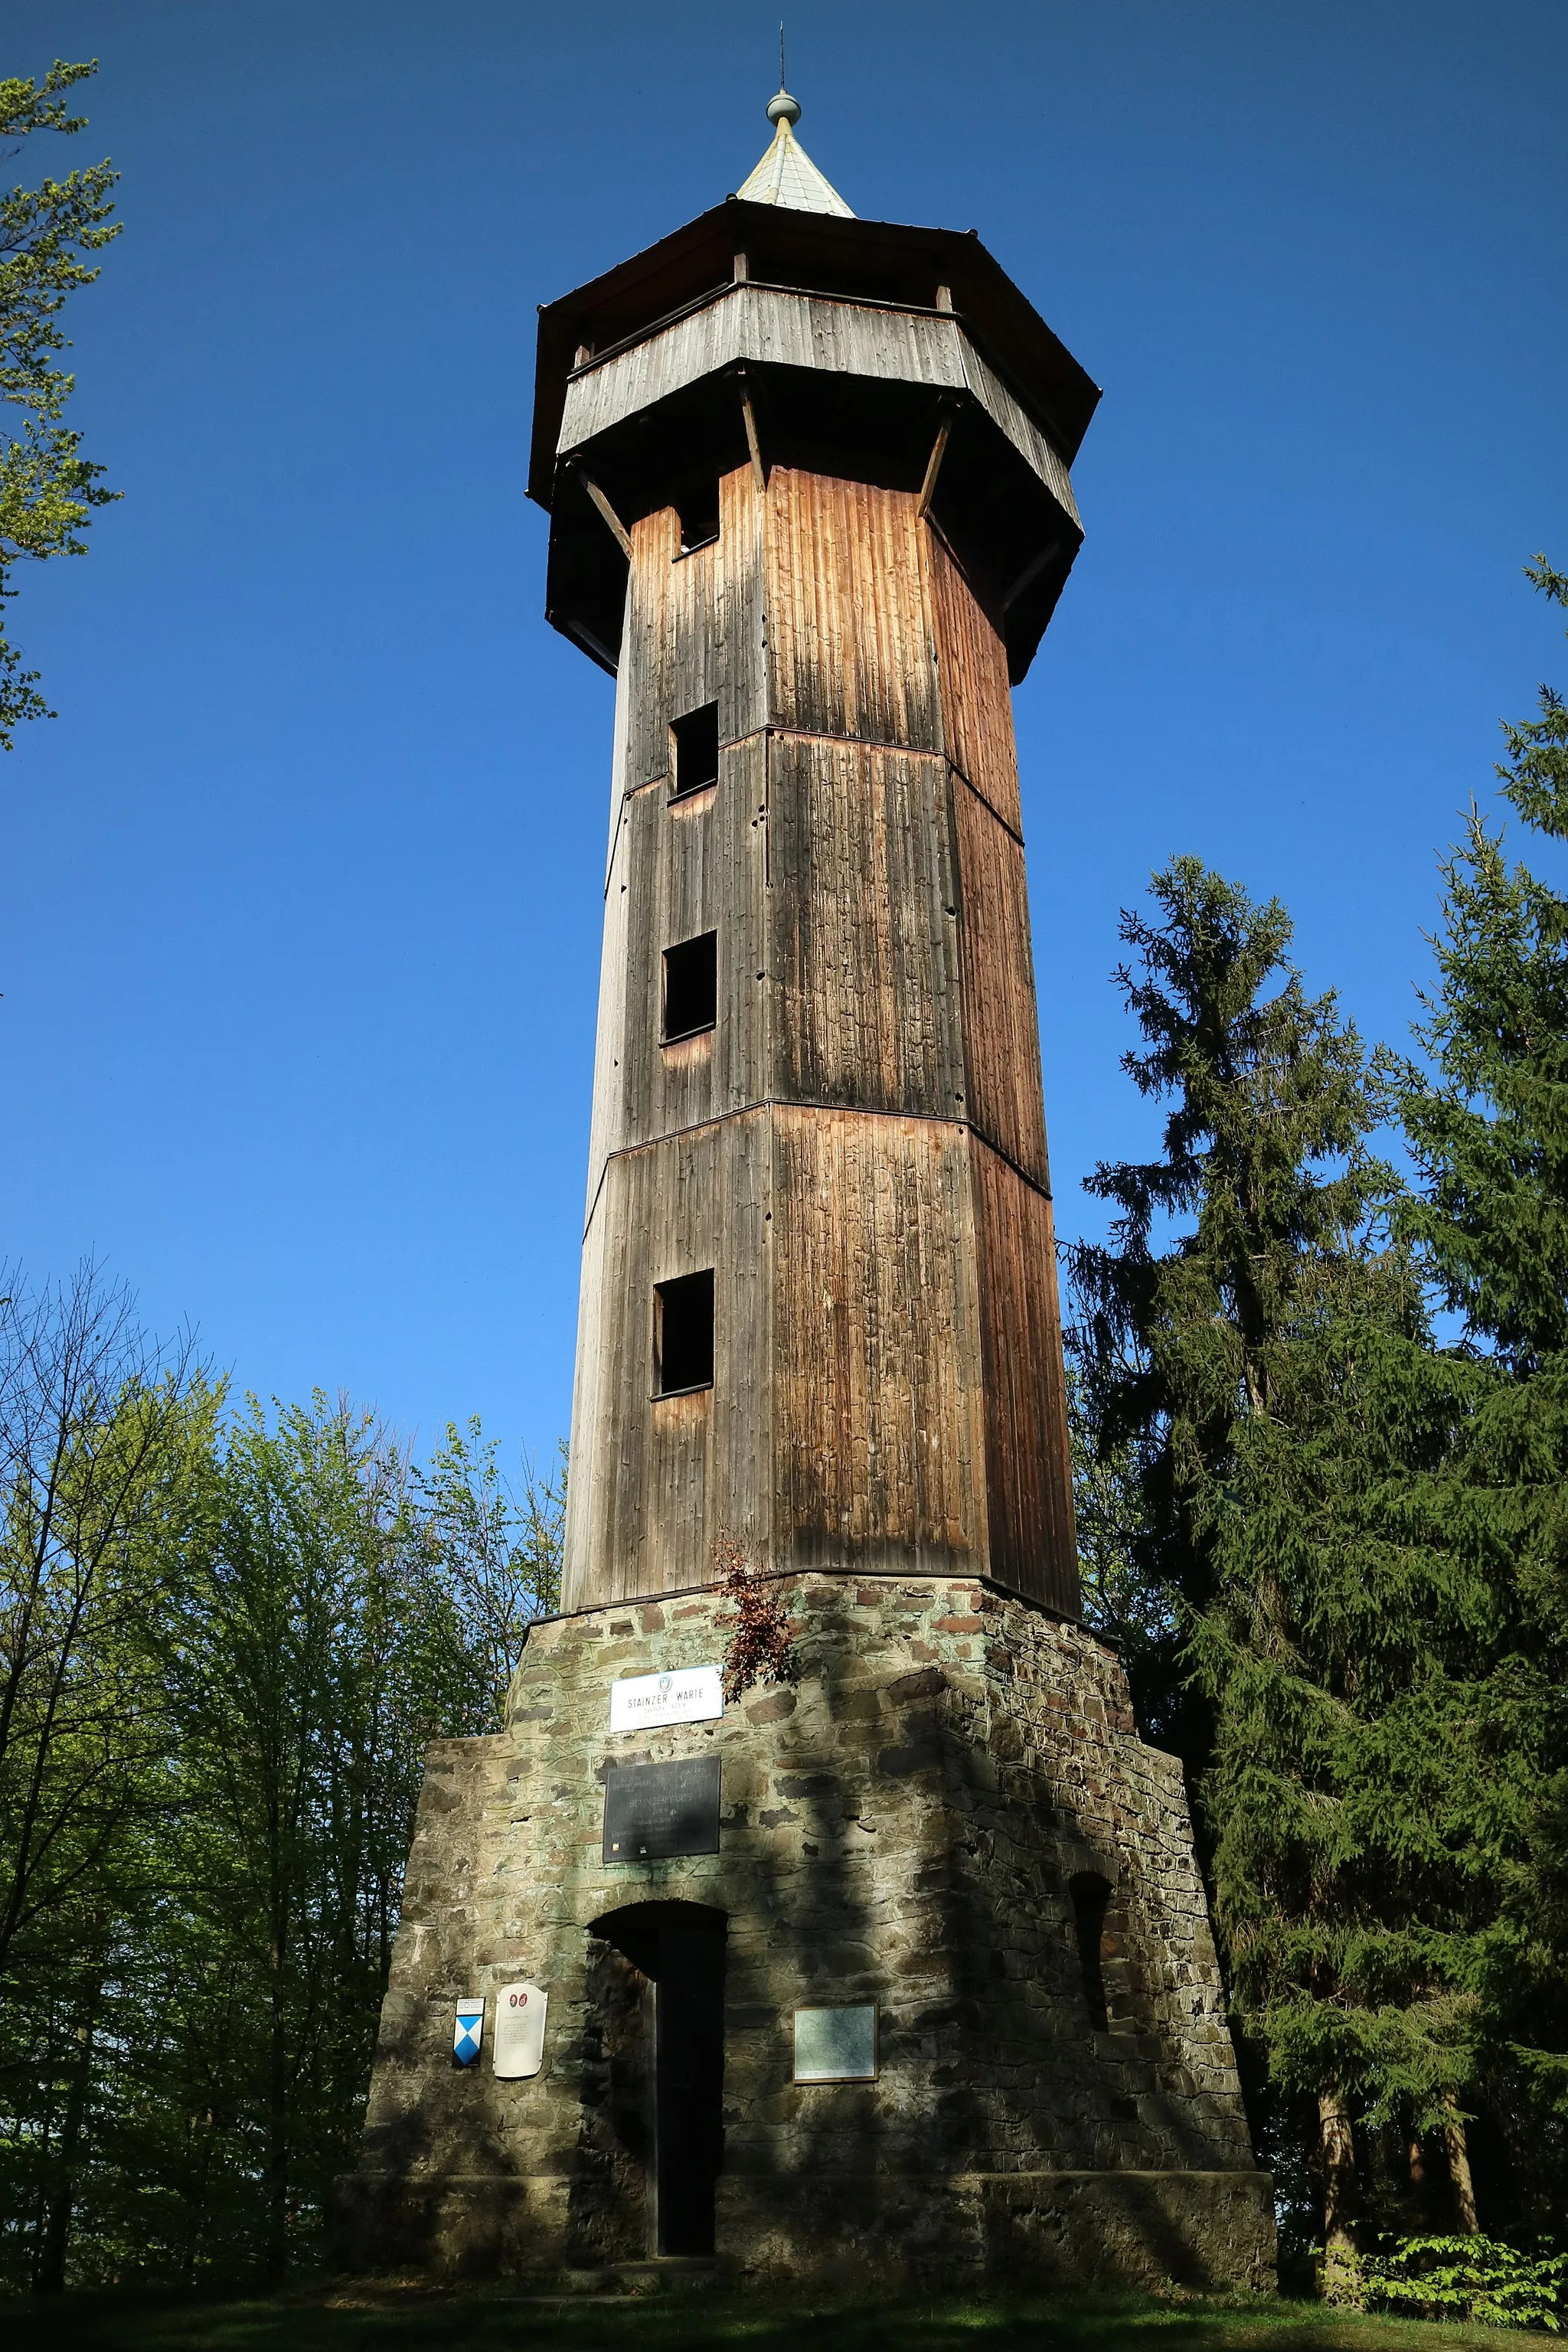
<point x="698" y="508"/>
<point x="1091" y="1893"/>
<point x="694" y="751"/>
<point x="683" y="1333"/>
<point x="690" y="987"/>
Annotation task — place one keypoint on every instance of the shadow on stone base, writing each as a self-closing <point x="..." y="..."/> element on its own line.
<point x="1203" y="2230"/>
<point x="1212" y="2230"/>
<point x="464" y="2225"/>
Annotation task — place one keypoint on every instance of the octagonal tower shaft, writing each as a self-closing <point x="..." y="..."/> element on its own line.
<point x="850" y="1140"/>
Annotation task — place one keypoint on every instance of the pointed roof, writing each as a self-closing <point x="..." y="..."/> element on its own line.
<point x="787" y="174"/>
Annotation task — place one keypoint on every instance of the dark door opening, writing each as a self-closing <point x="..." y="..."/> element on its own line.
<point x="680" y="1948"/>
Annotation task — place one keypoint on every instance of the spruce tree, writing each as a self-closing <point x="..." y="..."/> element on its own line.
<point x="1265" y="1165"/>
<point x="1252" y="1343"/>
<point x="1487" y="1121"/>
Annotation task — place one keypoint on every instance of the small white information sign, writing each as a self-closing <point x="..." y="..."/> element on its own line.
<point x="517" y="2045"/>
<point x="836" y="2046"/>
<point x="689" y="1695"/>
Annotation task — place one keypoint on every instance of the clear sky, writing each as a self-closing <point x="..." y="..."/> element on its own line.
<point x="301" y="897"/>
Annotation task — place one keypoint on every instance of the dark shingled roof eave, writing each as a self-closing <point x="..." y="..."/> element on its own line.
<point x="787" y="246"/>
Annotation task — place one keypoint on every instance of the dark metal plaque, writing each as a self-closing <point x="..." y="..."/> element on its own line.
<point x="653" y="1812"/>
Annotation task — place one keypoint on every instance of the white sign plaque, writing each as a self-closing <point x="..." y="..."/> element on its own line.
<point x="689" y="1695"/>
<point x="519" y="2040"/>
<point x="836" y="2046"/>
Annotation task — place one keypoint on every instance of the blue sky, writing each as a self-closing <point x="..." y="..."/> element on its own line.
<point x="301" y="907"/>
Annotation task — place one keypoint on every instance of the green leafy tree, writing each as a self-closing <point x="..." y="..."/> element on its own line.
<point x="316" y="1653"/>
<point x="1486" y="1113"/>
<point x="225" y="1640"/>
<point x="500" y="1548"/>
<point x="1271" y="1426"/>
<point x="47" y="488"/>
<point x="1179" y="1315"/>
<point x="99" y="1431"/>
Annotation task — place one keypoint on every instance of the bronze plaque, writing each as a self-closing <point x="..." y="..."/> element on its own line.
<point x="654" y="1811"/>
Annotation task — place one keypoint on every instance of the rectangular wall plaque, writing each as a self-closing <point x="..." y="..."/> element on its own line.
<point x="689" y="1695"/>
<point x="654" y="1811"/>
<point x="836" y="2046"/>
<point x="518" y="2049"/>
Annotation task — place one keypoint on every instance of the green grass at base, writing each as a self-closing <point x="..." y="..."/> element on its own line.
<point x="348" y="2318"/>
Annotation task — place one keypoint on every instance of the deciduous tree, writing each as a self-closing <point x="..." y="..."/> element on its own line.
<point x="47" y="233"/>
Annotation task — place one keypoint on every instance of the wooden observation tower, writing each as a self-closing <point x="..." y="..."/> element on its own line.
<point x="903" y="1961"/>
<point x="808" y="493"/>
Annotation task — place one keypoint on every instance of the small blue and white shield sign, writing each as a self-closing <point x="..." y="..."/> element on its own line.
<point x="467" y="2031"/>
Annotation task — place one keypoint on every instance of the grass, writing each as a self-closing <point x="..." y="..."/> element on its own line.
<point x="361" y="2319"/>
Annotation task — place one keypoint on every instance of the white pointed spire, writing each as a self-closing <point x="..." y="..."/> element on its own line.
<point x="787" y="174"/>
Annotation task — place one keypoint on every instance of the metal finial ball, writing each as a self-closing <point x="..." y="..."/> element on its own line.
<point x="783" y="109"/>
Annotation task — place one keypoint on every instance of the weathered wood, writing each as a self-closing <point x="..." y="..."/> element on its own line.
<point x="878" y="1446"/>
<point x="617" y="528"/>
<point x="753" y="441"/>
<point x="1029" y="1468"/>
<point x="773" y="327"/>
<point x="770" y="327"/>
<point x="849" y="636"/>
<point x="688" y="866"/>
<point x="864" y="1008"/>
<point x="857" y="1147"/>
<point x="976" y="700"/>
<point x="656" y="1479"/>
<point x="694" y="628"/>
<point x="1001" y="1030"/>
<point x="933" y="466"/>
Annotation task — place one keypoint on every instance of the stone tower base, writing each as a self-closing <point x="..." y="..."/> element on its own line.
<point x="947" y="1813"/>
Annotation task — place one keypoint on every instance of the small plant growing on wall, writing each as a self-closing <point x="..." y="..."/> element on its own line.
<point x="758" y="1649"/>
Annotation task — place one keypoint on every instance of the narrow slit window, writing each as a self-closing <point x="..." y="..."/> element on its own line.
<point x="694" y="752"/>
<point x="698" y="511"/>
<point x="690" y="987"/>
<point x="683" y="1333"/>
<point x="1091" y="1893"/>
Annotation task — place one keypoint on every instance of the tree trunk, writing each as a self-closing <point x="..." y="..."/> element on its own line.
<point x="277" y="2133"/>
<point x="1457" y="2145"/>
<point x="1338" y="2142"/>
<point x="1417" y="2157"/>
<point x="50" y="2274"/>
<point x="1416" y="2200"/>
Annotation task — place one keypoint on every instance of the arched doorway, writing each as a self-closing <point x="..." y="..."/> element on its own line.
<point x="668" y="2000"/>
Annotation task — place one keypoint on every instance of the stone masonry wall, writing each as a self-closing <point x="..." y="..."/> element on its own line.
<point x="900" y="1822"/>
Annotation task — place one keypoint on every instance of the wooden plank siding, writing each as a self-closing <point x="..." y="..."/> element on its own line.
<point x="976" y="700"/>
<point x="849" y="636"/>
<point x="694" y="628"/>
<point x="858" y="1149"/>
<point x="1028" y="1467"/>
<point x="690" y="867"/>
<point x="654" y="1479"/>
<point x="774" y="327"/>
<point x="865" y="1009"/>
<point x="1001" y="1025"/>
<point x="879" y="1438"/>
